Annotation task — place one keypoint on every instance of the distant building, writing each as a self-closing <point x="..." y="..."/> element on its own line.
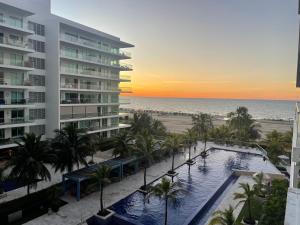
<point x="292" y="214"/>
<point x="54" y="72"/>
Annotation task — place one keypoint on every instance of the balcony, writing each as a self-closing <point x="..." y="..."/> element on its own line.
<point x="87" y="87"/>
<point x="11" y="25"/>
<point x="17" y="65"/>
<point x="86" y="115"/>
<point x="88" y="73"/>
<point x="95" y="46"/>
<point x="95" y="60"/>
<point x="14" y="121"/>
<point x="12" y="84"/>
<point x="16" y="45"/>
<point x="9" y="101"/>
<point x="125" y="90"/>
<point x="125" y="78"/>
<point x="86" y="101"/>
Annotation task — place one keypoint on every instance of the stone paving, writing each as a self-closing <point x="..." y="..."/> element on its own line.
<point x="75" y="213"/>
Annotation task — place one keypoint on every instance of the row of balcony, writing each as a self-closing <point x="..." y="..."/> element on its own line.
<point x="93" y="59"/>
<point x="95" y="45"/>
<point x="16" y="120"/>
<point x="94" y="87"/>
<point x="87" y="115"/>
<point x="9" y="82"/>
<point x="85" y="101"/>
<point x="19" y="63"/>
<point x="10" y="101"/>
<point x="15" y="43"/>
<point x="66" y="70"/>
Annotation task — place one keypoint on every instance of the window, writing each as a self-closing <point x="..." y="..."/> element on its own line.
<point x="15" y="22"/>
<point x="37" y="63"/>
<point x="37" y="80"/>
<point x="37" y="114"/>
<point x="38" y="29"/>
<point x="16" y="78"/>
<point x="114" y="121"/>
<point x="38" y="46"/>
<point x="37" y="129"/>
<point x="37" y="97"/>
<point x="2" y="134"/>
<point x="1" y="117"/>
<point x="1" y="18"/>
<point x="16" y="59"/>
<point x="17" y="132"/>
<point x="17" y="116"/>
<point x="17" y="97"/>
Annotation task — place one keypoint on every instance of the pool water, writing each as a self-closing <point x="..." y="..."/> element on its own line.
<point x="200" y="183"/>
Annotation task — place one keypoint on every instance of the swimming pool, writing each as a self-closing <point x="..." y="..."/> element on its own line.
<point x="201" y="183"/>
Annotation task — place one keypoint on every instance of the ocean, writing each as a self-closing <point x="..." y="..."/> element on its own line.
<point x="259" y="109"/>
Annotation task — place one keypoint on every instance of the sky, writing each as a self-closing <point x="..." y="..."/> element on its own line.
<point x="244" y="49"/>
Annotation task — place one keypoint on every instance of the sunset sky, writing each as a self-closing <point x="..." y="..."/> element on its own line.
<point x="201" y="48"/>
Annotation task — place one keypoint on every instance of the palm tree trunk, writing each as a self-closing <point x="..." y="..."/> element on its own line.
<point x="205" y="140"/>
<point x="28" y="189"/>
<point x="145" y="177"/>
<point x="101" y="198"/>
<point x="173" y="158"/>
<point x="249" y="210"/>
<point x="189" y="153"/>
<point x="166" y="211"/>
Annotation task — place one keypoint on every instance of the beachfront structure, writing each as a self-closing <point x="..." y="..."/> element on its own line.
<point x="292" y="215"/>
<point x="54" y="72"/>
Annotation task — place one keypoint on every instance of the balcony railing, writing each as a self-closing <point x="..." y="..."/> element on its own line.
<point x="17" y="120"/>
<point x="15" y="43"/>
<point x="93" y="59"/>
<point x="95" y="46"/>
<point x="95" y="128"/>
<point x="14" y="83"/>
<point x="9" y="101"/>
<point x="7" y="141"/>
<point x="125" y="77"/>
<point x="86" y="115"/>
<point x="88" y="87"/>
<point x="7" y="61"/>
<point x="126" y="89"/>
<point x="88" y="72"/>
<point x="85" y="101"/>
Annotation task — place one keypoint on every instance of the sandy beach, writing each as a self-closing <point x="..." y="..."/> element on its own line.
<point x="178" y="123"/>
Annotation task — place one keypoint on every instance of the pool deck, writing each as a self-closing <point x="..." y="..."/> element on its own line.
<point x="76" y="212"/>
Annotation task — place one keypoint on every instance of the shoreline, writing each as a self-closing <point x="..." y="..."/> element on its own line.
<point x="178" y="122"/>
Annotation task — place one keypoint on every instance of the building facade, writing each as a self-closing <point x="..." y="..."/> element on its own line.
<point x="54" y="72"/>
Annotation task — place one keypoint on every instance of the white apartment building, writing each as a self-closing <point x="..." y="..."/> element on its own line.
<point x="292" y="213"/>
<point x="54" y="71"/>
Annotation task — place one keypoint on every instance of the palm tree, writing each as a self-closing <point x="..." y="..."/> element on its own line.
<point x="172" y="143"/>
<point x="145" y="149"/>
<point x="259" y="185"/>
<point x="71" y="145"/>
<point x="225" y="217"/>
<point x="102" y="175"/>
<point x="190" y="139"/>
<point x="123" y="144"/>
<point x="244" y="127"/>
<point x="246" y="197"/>
<point x="275" y="145"/>
<point x="221" y="134"/>
<point x="28" y="163"/>
<point x="166" y="190"/>
<point x="202" y="124"/>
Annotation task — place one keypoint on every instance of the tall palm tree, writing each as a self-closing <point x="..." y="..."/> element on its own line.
<point x="173" y="143"/>
<point x="102" y="175"/>
<point x="259" y="185"/>
<point x="190" y="140"/>
<point x="28" y="163"/>
<point x="275" y="145"/>
<point x="244" y="127"/>
<point x="123" y="144"/>
<point x="225" y="217"/>
<point x="145" y="149"/>
<point x="71" y="145"/>
<point x="221" y="134"/>
<point x="202" y="124"/>
<point x="247" y="198"/>
<point x="166" y="190"/>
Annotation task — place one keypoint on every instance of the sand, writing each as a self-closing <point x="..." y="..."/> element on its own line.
<point x="179" y="123"/>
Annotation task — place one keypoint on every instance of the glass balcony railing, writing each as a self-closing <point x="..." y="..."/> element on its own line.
<point x="93" y="59"/>
<point x="87" y="115"/>
<point x="126" y="90"/>
<point x="95" y="46"/>
<point x="89" y="72"/>
<point x="85" y="101"/>
<point x="9" y="82"/>
<point x="19" y="63"/>
<point x="10" y="101"/>
<point x="16" y="120"/>
<point x="15" y="43"/>
<point x="95" y="128"/>
<point x="89" y="87"/>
